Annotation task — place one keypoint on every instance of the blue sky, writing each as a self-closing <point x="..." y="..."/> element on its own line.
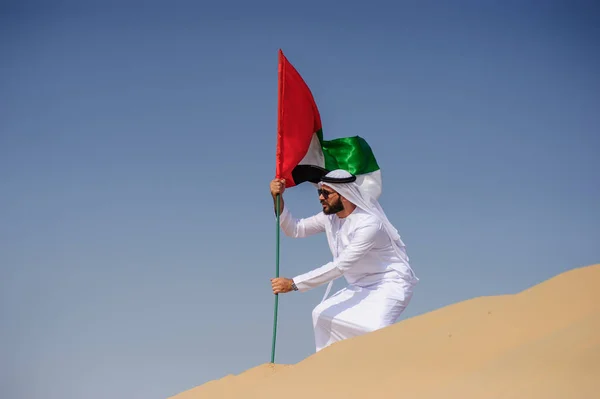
<point x="137" y="143"/>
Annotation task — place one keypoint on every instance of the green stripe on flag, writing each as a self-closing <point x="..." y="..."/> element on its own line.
<point x="349" y="153"/>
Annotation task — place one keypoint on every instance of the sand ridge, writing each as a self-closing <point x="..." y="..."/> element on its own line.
<point x="540" y="343"/>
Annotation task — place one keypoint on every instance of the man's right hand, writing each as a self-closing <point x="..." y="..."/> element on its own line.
<point x="277" y="187"/>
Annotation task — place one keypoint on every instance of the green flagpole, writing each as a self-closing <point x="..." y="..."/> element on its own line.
<point x="276" y="275"/>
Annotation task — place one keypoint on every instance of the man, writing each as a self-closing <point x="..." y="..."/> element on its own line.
<point x="367" y="251"/>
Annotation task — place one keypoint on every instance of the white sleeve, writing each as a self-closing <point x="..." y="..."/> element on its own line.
<point x="362" y="241"/>
<point x="298" y="228"/>
<point x="317" y="277"/>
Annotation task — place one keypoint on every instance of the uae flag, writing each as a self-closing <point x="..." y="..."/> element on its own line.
<point x="302" y="153"/>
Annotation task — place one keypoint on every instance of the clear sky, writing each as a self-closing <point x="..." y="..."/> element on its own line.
<point x="137" y="142"/>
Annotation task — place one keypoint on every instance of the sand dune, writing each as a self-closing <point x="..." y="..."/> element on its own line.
<point x="543" y="342"/>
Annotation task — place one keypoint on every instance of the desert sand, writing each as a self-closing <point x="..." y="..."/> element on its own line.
<point x="543" y="342"/>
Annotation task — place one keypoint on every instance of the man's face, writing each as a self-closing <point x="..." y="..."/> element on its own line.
<point x="331" y="201"/>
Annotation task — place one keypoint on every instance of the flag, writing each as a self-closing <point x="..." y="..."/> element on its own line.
<point x="302" y="152"/>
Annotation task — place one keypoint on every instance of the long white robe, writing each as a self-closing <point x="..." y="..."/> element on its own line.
<point x="380" y="282"/>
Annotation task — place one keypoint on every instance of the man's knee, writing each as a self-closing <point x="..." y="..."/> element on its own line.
<point x="316" y="313"/>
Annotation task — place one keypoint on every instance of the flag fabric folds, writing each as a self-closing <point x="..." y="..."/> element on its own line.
<point x="302" y="152"/>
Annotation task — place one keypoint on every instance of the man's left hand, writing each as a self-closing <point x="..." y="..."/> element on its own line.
<point x="281" y="285"/>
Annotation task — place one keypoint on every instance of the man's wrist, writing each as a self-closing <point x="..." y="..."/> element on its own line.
<point x="294" y="286"/>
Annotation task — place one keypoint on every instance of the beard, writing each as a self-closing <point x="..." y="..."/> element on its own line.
<point x="333" y="208"/>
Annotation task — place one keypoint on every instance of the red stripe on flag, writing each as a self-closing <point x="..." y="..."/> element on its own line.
<point x="298" y="119"/>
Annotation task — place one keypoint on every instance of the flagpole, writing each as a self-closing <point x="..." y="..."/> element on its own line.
<point x="276" y="275"/>
<point x="280" y="84"/>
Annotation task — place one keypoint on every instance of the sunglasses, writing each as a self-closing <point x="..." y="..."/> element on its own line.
<point x="324" y="193"/>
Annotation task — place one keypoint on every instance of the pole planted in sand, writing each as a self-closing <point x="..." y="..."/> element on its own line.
<point x="276" y="275"/>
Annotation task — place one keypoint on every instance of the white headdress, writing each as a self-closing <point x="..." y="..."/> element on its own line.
<point x="345" y="184"/>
